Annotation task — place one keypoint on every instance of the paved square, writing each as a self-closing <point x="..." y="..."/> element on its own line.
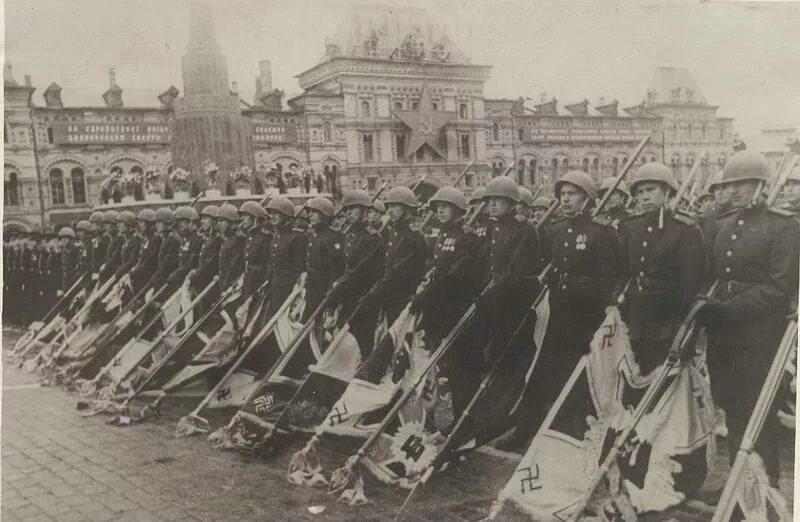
<point x="57" y="465"/>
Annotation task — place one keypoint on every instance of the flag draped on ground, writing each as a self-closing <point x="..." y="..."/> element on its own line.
<point x="276" y="376"/>
<point x="222" y="349"/>
<point x="669" y="455"/>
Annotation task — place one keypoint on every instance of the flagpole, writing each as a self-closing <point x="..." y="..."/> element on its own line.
<point x="756" y="423"/>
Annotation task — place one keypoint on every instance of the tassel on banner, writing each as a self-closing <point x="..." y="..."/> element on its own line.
<point x="305" y="468"/>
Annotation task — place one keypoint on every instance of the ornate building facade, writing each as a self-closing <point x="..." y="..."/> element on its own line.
<point x="392" y="100"/>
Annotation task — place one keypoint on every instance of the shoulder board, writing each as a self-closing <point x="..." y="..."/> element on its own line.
<point x="728" y="212"/>
<point x="631" y="217"/>
<point x="683" y="217"/>
<point x="603" y="220"/>
<point x="781" y="212"/>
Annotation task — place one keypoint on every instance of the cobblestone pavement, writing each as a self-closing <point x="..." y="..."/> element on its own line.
<point x="57" y="465"/>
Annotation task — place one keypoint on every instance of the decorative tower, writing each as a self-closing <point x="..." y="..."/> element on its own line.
<point x="208" y="124"/>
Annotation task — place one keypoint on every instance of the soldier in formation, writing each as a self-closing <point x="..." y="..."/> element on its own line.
<point x="654" y="261"/>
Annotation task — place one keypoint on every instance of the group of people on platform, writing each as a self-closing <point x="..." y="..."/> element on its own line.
<point x="655" y="261"/>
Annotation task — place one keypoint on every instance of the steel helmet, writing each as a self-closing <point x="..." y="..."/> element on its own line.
<point x="356" y="197"/>
<point x="715" y="181"/>
<point x="186" y="213"/>
<point x="146" y="214"/>
<point x="525" y="196"/>
<point x="127" y="217"/>
<point x="379" y="206"/>
<point x="542" y="202"/>
<point x="210" y="211"/>
<point x="476" y="195"/>
<point x="401" y="196"/>
<point x="745" y="165"/>
<point x="229" y="212"/>
<point x="66" y="232"/>
<point x="579" y="179"/>
<point x="607" y="183"/>
<point x="704" y="195"/>
<point x="96" y="217"/>
<point x="84" y="225"/>
<point x="280" y="204"/>
<point x="321" y="205"/>
<point x="450" y="195"/>
<point x="502" y="187"/>
<point x="110" y="216"/>
<point x="252" y="208"/>
<point x="655" y="172"/>
<point x="164" y="215"/>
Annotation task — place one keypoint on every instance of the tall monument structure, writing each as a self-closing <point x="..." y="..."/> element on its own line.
<point x="208" y="123"/>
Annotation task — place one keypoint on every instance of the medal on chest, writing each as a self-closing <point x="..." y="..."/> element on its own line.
<point x="449" y="245"/>
<point x="580" y="242"/>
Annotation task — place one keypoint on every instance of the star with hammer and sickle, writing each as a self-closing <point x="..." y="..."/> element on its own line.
<point x="425" y="124"/>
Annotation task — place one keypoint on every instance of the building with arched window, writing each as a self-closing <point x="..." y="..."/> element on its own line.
<point x="392" y="105"/>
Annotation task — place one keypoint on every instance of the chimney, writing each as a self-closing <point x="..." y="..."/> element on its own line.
<point x="167" y="98"/>
<point x="259" y="92"/>
<point x="8" y="75"/>
<point x="235" y="88"/>
<point x="28" y="81"/>
<point x="265" y="68"/>
<point x="52" y="96"/>
<point x="543" y="97"/>
<point x="113" y="96"/>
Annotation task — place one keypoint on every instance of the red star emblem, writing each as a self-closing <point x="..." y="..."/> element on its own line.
<point x="425" y="124"/>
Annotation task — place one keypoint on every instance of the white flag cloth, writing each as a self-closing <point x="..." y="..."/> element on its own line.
<point x="673" y="444"/>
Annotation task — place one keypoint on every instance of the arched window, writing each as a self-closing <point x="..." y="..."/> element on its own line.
<point x="365" y="109"/>
<point x="11" y="190"/>
<point x="521" y="172"/>
<point x="400" y="146"/>
<point x="554" y="165"/>
<point x="78" y="179"/>
<point x="532" y="172"/>
<point x="367" y="142"/>
<point x="398" y="106"/>
<point x="327" y="131"/>
<point x="57" y="187"/>
<point x="615" y="166"/>
<point x="564" y="165"/>
<point x="495" y="132"/>
<point x="585" y="164"/>
<point x="462" y="110"/>
<point x="596" y="168"/>
<point x="116" y="169"/>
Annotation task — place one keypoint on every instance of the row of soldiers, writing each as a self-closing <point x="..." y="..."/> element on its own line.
<point x="368" y="261"/>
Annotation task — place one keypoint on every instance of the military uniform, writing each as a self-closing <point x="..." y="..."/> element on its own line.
<point x="208" y="261"/>
<point x="113" y="256"/>
<point x="129" y="254"/>
<point x="405" y="255"/>
<point x="188" y="256"/>
<point x="287" y="258"/>
<point x="755" y="257"/>
<point x="358" y="244"/>
<point x="99" y="247"/>
<point x="147" y="264"/>
<point x="613" y="216"/>
<point x="256" y="256"/>
<point x="168" y="253"/>
<point x="324" y="265"/>
<point x="72" y="264"/>
<point x="54" y="278"/>
<point x="663" y="257"/>
<point x="444" y="300"/>
<point x="584" y="256"/>
<point x="230" y="259"/>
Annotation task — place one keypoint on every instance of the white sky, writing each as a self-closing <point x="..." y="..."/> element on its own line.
<point x="745" y="56"/>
